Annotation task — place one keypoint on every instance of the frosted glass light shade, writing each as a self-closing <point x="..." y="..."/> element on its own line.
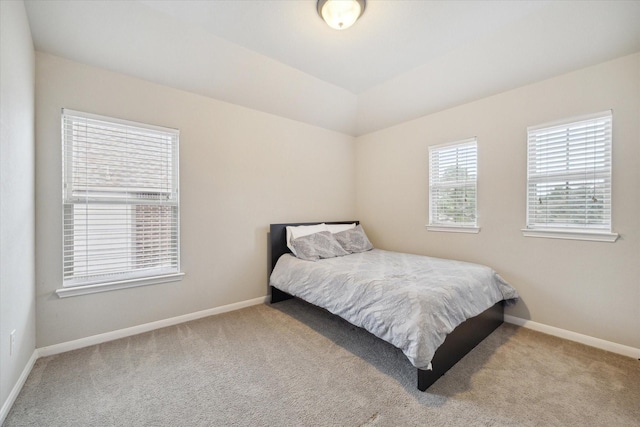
<point x="340" y="14"/>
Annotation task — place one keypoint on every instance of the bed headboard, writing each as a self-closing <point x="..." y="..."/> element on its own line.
<point x="278" y="237"/>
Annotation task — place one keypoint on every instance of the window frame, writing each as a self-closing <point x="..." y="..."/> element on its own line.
<point x="131" y="204"/>
<point x="567" y="230"/>
<point x="453" y="226"/>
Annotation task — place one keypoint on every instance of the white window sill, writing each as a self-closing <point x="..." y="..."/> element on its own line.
<point x="73" y="291"/>
<point x="453" y="229"/>
<point x="594" y="236"/>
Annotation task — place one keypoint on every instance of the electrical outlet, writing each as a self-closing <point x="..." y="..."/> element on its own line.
<point x="12" y="341"/>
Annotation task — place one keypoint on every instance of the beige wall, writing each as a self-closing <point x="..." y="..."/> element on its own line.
<point x="17" y="205"/>
<point x="240" y="170"/>
<point x="585" y="287"/>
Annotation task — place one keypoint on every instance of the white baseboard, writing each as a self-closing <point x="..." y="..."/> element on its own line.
<point x="6" y="406"/>
<point x="574" y="336"/>
<point x="135" y="330"/>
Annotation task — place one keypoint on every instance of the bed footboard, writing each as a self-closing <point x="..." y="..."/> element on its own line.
<point x="460" y="342"/>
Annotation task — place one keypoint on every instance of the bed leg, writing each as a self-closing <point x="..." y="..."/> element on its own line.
<point x="277" y="295"/>
<point x="425" y="379"/>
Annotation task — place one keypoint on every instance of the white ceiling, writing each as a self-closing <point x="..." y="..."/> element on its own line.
<point x="392" y="37"/>
<point x="401" y="60"/>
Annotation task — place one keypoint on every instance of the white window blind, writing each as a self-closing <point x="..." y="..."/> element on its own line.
<point x="453" y="172"/>
<point x="121" y="204"/>
<point x="569" y="174"/>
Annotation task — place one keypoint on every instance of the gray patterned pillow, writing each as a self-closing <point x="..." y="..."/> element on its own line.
<point x="354" y="240"/>
<point x="314" y="246"/>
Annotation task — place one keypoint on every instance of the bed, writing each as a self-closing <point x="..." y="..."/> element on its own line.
<point x="395" y="283"/>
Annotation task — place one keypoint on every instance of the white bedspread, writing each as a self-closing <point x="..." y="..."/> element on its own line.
<point x="410" y="301"/>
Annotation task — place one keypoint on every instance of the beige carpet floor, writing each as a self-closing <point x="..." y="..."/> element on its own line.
<point x="292" y="364"/>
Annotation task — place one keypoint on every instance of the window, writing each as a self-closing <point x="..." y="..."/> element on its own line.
<point x="569" y="179"/>
<point x="453" y="176"/>
<point x="121" y="204"/>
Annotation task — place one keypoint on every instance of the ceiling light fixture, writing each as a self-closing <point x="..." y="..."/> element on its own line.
<point x="340" y="14"/>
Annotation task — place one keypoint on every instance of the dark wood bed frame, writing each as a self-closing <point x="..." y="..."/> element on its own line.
<point x="457" y="344"/>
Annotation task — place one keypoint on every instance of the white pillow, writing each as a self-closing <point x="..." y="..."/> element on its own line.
<point x="293" y="232"/>
<point x="336" y="228"/>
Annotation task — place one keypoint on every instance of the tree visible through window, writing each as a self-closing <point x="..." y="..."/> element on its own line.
<point x="453" y="184"/>
<point x="569" y="174"/>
